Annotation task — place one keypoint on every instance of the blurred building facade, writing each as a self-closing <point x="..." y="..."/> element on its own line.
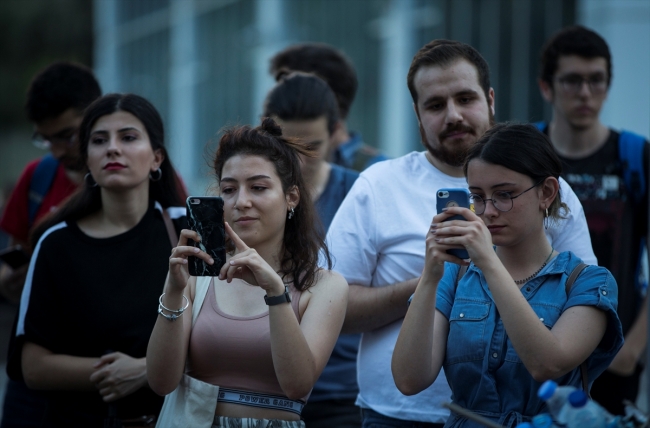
<point x="204" y="63"/>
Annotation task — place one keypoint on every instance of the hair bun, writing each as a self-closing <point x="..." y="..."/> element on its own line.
<point x="271" y="127"/>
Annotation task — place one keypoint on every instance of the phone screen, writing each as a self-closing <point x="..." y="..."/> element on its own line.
<point x="205" y="216"/>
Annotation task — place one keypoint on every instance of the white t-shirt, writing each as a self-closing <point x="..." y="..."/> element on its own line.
<point x="377" y="238"/>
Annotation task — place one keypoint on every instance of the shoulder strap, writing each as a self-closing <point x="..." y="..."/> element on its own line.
<point x="202" y="287"/>
<point x="171" y="230"/>
<point x="569" y="283"/>
<point x="41" y="183"/>
<point x="630" y="152"/>
<point x="574" y="275"/>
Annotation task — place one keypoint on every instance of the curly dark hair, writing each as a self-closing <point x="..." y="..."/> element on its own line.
<point x="60" y="86"/>
<point x="303" y="240"/>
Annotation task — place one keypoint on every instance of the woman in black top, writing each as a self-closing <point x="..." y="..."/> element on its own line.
<point x="98" y="268"/>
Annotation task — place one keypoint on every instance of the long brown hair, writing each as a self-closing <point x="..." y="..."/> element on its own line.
<point x="303" y="241"/>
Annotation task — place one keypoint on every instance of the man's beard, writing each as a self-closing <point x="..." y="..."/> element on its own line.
<point x="456" y="154"/>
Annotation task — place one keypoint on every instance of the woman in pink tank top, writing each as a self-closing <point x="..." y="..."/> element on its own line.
<point x="258" y="335"/>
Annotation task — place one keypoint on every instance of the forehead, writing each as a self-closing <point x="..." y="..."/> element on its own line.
<point x="484" y="175"/>
<point x="241" y="167"/>
<point x="304" y="129"/>
<point x="118" y="120"/>
<point x="574" y="64"/>
<point x="441" y="81"/>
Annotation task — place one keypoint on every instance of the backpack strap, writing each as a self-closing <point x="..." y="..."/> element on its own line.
<point x="40" y="184"/>
<point x="569" y="283"/>
<point x="630" y="152"/>
<point x="541" y="126"/>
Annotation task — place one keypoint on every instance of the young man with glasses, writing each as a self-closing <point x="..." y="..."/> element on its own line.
<point x="607" y="169"/>
<point x="56" y="100"/>
<point x="378" y="234"/>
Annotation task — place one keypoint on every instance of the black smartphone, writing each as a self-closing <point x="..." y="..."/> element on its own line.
<point x="447" y="198"/>
<point x="205" y="217"/>
<point x="14" y="256"/>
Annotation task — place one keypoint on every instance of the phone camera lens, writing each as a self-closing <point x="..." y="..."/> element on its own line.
<point x="440" y="195"/>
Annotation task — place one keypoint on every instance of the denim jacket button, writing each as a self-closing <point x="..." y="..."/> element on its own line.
<point x="541" y="319"/>
<point x="462" y="315"/>
<point x="604" y="293"/>
<point x="495" y="355"/>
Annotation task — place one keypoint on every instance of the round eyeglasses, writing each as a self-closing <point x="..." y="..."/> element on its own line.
<point x="501" y="200"/>
<point x="46" y="143"/>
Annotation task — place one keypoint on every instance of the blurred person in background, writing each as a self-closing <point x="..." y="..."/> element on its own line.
<point x="56" y="99"/>
<point x="305" y="107"/>
<point x="331" y="65"/>
<point x="100" y="260"/>
<point x="608" y="171"/>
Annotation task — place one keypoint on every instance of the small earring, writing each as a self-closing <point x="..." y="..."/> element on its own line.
<point x="157" y="177"/>
<point x="291" y="213"/>
<point x="89" y="180"/>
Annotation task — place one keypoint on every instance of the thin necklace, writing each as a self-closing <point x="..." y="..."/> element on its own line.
<point x="525" y="280"/>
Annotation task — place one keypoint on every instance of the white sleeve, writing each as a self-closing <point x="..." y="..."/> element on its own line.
<point x="571" y="233"/>
<point x="351" y="237"/>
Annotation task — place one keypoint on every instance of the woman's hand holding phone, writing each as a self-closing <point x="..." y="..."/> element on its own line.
<point x="470" y="233"/>
<point x="249" y="266"/>
<point x="178" y="272"/>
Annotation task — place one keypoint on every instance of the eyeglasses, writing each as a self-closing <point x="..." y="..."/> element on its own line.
<point x="500" y="199"/>
<point x="573" y="83"/>
<point x="46" y="143"/>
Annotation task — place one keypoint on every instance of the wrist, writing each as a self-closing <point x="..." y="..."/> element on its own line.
<point x="277" y="289"/>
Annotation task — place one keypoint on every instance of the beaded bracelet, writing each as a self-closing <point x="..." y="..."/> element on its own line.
<point x="175" y="313"/>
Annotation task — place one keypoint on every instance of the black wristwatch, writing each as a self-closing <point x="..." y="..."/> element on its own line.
<point x="276" y="300"/>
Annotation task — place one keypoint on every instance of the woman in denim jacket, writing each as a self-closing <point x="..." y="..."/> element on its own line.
<point x="509" y="323"/>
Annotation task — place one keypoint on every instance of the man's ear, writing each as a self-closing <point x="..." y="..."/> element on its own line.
<point x="546" y="90"/>
<point x="417" y="113"/>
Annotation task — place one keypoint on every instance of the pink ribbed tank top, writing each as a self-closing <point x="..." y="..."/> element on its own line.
<point x="234" y="352"/>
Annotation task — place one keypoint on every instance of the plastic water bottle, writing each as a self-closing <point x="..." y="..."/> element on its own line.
<point x="543" y="420"/>
<point x="555" y="397"/>
<point x="581" y="412"/>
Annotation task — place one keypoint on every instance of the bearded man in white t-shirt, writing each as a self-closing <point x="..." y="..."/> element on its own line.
<point x="378" y="234"/>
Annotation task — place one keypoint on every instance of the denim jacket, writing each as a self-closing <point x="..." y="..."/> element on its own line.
<point x="482" y="367"/>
